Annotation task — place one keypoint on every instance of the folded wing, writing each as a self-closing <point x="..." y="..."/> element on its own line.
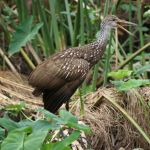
<point x="58" y="79"/>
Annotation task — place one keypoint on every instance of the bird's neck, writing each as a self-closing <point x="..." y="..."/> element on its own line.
<point x="98" y="47"/>
<point x="103" y="37"/>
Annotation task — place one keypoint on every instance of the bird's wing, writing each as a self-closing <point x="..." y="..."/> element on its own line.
<point x="55" y="73"/>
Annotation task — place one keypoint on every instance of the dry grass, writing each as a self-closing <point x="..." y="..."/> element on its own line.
<point x="13" y="91"/>
<point x="110" y="129"/>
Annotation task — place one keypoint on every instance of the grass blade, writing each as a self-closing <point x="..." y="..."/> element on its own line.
<point x="69" y="21"/>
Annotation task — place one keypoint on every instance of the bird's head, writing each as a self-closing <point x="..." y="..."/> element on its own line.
<point x="112" y="21"/>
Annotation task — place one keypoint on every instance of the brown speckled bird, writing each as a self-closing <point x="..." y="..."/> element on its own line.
<point x="60" y="75"/>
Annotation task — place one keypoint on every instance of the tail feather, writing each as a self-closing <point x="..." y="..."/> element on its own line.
<point x="53" y="100"/>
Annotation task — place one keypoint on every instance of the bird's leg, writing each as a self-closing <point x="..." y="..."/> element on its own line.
<point x="67" y="105"/>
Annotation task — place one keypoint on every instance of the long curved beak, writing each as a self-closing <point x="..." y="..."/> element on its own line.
<point x="121" y="23"/>
<point x="126" y="23"/>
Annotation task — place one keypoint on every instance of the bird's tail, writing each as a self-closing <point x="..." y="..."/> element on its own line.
<point x="54" y="100"/>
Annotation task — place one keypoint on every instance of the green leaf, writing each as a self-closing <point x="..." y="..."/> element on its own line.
<point x="25" y="122"/>
<point x="66" y="142"/>
<point x="35" y="140"/>
<point x="17" y="108"/>
<point x="14" y="141"/>
<point x="81" y="127"/>
<point x="18" y="140"/>
<point x="142" y="69"/>
<point x="72" y="121"/>
<point x="132" y="83"/>
<point x="8" y="124"/>
<point x="147" y="13"/>
<point x="51" y="116"/>
<point x="44" y="125"/>
<point x="24" y="33"/>
<point x="67" y="116"/>
<point x="27" y="129"/>
<point x="120" y="74"/>
<point x="2" y="133"/>
<point x="48" y="146"/>
<point x="144" y="29"/>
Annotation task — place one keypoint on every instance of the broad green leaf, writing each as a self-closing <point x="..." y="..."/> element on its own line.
<point x="72" y="121"/>
<point x="142" y="69"/>
<point x="17" y="108"/>
<point x="24" y="33"/>
<point x="8" y="124"/>
<point x="2" y="133"/>
<point x="51" y="116"/>
<point x="14" y="141"/>
<point x="35" y="140"/>
<point x="132" y="83"/>
<point x="18" y="140"/>
<point x="120" y="74"/>
<point x="67" y="141"/>
<point x="78" y="126"/>
<point x="50" y="146"/>
<point x="67" y="148"/>
<point x="67" y="116"/>
<point x="27" y="129"/>
<point x="44" y="125"/>
<point x="25" y="122"/>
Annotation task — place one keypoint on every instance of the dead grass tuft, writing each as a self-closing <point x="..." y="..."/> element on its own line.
<point x="111" y="130"/>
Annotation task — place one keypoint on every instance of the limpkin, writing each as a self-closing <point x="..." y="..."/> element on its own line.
<point x="60" y="75"/>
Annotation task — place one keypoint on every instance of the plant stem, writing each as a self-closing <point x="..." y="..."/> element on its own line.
<point x="134" y="55"/>
<point x="26" y="57"/>
<point x="130" y="29"/>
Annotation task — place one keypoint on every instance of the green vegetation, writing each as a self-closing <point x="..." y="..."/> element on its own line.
<point x="33" y="30"/>
<point x="40" y="133"/>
